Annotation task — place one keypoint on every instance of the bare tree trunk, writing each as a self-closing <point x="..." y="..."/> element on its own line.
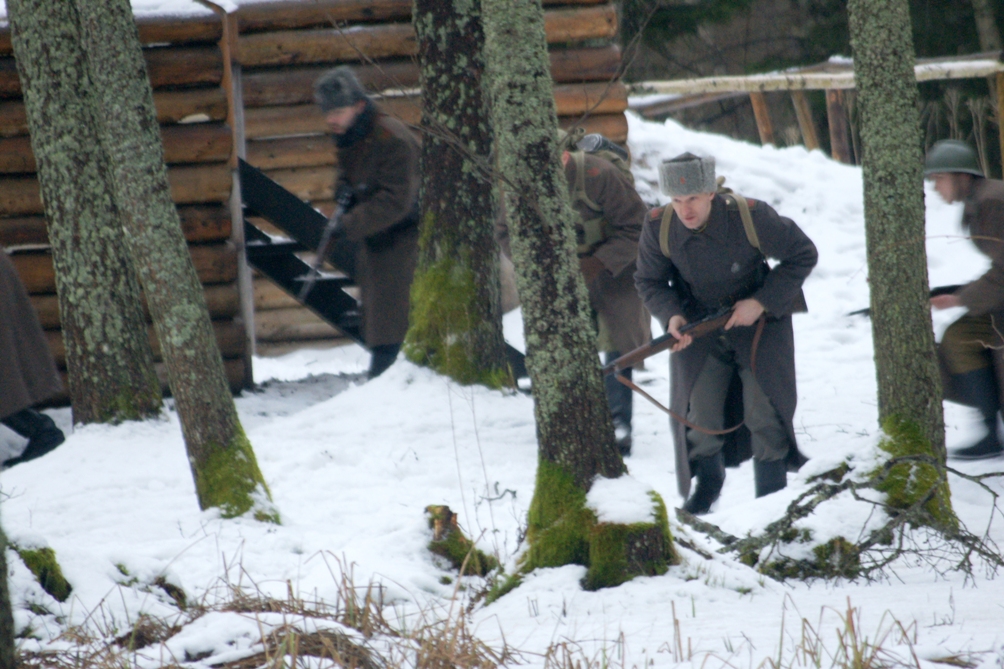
<point x="986" y="26"/>
<point x="574" y="430"/>
<point x="223" y="463"/>
<point x="108" y="355"/>
<point x="456" y="315"/>
<point x="909" y="386"/>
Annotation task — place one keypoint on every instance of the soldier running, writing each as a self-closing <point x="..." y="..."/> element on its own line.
<point x="694" y="258"/>
<point x="378" y="181"/>
<point x="971" y="352"/>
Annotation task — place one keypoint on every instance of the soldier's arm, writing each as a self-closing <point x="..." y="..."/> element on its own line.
<point x="653" y="274"/>
<point x="625" y="214"/>
<point x="986" y="294"/>
<point x="785" y="242"/>
<point x="391" y="197"/>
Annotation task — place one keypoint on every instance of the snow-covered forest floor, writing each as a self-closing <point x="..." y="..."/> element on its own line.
<point x="352" y="466"/>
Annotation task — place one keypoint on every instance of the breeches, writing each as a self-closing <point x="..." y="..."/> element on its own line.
<point x="769" y="439"/>
<point x="966" y="344"/>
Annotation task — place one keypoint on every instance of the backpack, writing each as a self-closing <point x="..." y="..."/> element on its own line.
<point x="594" y="229"/>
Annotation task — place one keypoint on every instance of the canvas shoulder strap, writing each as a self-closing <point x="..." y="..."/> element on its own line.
<point x="667" y="216"/>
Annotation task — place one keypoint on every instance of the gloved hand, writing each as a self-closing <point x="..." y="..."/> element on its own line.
<point x="345" y="196"/>
<point x="591" y="268"/>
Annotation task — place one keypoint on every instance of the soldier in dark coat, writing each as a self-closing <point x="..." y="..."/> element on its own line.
<point x="27" y="371"/>
<point x="610" y="217"/>
<point x="378" y="179"/>
<point x="710" y="262"/>
<point x="971" y="352"/>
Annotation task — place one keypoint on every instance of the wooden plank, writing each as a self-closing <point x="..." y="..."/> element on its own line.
<point x="180" y="66"/>
<point x="268" y="296"/>
<point x="222" y="300"/>
<point x="214" y="263"/>
<point x="200" y="223"/>
<point x="188" y="143"/>
<point x="307" y="183"/>
<point x="308" y="151"/>
<point x="209" y="104"/>
<point x="806" y="124"/>
<point x="836" y="115"/>
<point x="762" y="115"/>
<point x="389" y="40"/>
<point x="229" y="339"/>
<point x="292" y="324"/>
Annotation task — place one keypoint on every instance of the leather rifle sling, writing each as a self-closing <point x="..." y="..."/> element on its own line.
<point x="633" y="386"/>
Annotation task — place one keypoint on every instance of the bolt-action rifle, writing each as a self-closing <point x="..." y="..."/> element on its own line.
<point x="936" y="291"/>
<point x="699" y="328"/>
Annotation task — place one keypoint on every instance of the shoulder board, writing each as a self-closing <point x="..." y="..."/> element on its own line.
<point x="656" y="214"/>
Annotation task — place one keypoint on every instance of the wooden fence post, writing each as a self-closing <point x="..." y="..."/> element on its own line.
<point x="836" y="113"/>
<point x="805" y="123"/>
<point x="762" y="115"/>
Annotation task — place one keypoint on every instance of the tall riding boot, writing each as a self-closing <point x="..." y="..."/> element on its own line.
<point x="382" y="357"/>
<point x="710" y="473"/>
<point x="39" y="429"/>
<point x="979" y="389"/>
<point x="619" y="398"/>
<point x="769" y="476"/>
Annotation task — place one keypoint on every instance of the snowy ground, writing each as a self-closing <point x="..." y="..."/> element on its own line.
<point x="352" y="466"/>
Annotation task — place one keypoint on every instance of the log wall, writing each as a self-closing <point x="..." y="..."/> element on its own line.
<point x="280" y="49"/>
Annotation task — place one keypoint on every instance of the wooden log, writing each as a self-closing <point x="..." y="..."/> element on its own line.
<point x="806" y="124"/>
<point x="214" y="263"/>
<point x="293" y="85"/>
<point x="200" y="183"/>
<point x="200" y="223"/>
<point x="389" y="40"/>
<point x="762" y="115"/>
<point x="307" y="183"/>
<point x="209" y="104"/>
<point x="836" y="116"/>
<point x="281" y="15"/>
<point x="188" y="143"/>
<point x="613" y="126"/>
<point x="156" y="30"/>
<point x="222" y="300"/>
<point x="591" y="98"/>
<point x="293" y="324"/>
<point x="229" y="338"/>
<point x="304" y="151"/>
<point x="268" y="296"/>
<point x="180" y="66"/>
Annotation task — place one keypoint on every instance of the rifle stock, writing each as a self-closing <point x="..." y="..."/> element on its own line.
<point x="696" y="330"/>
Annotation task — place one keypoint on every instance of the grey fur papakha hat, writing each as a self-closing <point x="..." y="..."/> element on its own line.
<point x="687" y="174"/>
<point x="338" y="88"/>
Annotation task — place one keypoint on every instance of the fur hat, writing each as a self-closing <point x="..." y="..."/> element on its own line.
<point x="687" y="174"/>
<point x="338" y="88"/>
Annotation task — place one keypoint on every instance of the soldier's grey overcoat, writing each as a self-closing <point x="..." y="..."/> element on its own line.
<point x="382" y="167"/>
<point x="715" y="263"/>
<point x="27" y="371"/>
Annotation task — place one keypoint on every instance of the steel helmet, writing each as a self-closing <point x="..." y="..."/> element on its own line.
<point x="952" y="155"/>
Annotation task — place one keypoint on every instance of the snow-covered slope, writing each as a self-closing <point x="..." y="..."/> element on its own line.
<point x="351" y="472"/>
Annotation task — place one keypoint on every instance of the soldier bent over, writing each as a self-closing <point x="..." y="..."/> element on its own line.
<point x="971" y="352"/>
<point x="694" y="258"/>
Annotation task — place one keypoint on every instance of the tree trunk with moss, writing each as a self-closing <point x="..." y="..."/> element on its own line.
<point x="909" y="385"/>
<point x="456" y="315"/>
<point x="108" y="354"/>
<point x="574" y="430"/>
<point x="223" y="465"/>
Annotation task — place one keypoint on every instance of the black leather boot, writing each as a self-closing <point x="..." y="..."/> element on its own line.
<point x="619" y="398"/>
<point x="382" y="357"/>
<point x="710" y="473"/>
<point x="770" y="476"/>
<point x="39" y="429"/>
<point x="979" y="389"/>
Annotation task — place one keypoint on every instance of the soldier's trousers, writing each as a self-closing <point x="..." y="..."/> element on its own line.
<point x="769" y="440"/>
<point x="966" y="344"/>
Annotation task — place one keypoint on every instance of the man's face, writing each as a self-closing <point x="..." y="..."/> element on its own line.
<point x="951" y="186"/>
<point x="340" y="119"/>
<point x="693" y="210"/>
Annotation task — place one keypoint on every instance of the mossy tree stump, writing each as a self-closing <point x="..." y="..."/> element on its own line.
<point x="456" y="313"/>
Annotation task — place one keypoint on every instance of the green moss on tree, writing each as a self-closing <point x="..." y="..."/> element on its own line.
<point x="559" y="524"/>
<point x="443" y="329"/>
<point x="43" y="564"/>
<point x="229" y="479"/>
<point x="452" y="545"/>
<point x="907" y="483"/>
